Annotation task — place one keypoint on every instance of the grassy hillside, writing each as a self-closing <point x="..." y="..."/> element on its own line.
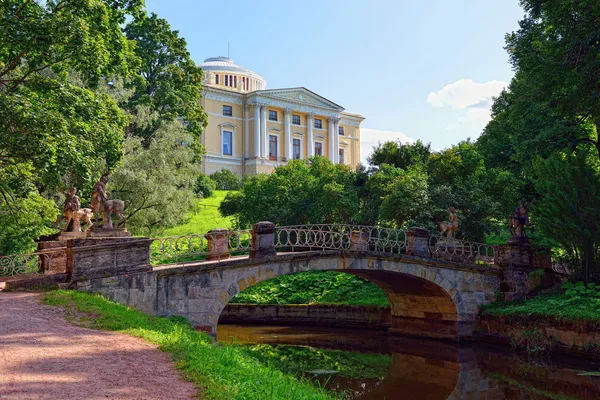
<point x="204" y="218"/>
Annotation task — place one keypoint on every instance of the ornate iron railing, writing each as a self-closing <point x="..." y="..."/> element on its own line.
<point x="219" y="244"/>
<point x="379" y="241"/>
<point x="461" y="250"/>
<point x="341" y="237"/>
<point x="42" y="261"/>
<point x="214" y="244"/>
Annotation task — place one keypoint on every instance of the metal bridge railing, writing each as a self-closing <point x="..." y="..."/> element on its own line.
<point x="33" y="263"/>
<point x="211" y="245"/>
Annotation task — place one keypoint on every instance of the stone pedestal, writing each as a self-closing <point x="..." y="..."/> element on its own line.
<point x="54" y="259"/>
<point x="218" y="244"/>
<point x="103" y="257"/>
<point x="108" y="232"/>
<point x="359" y="241"/>
<point x="263" y="240"/>
<point x="73" y="235"/>
<point x="418" y="242"/>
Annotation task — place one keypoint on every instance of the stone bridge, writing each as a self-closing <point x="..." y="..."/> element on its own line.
<point x="431" y="292"/>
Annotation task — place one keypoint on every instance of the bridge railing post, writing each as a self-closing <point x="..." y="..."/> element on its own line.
<point x="218" y="244"/>
<point x="418" y="242"/>
<point x="263" y="240"/>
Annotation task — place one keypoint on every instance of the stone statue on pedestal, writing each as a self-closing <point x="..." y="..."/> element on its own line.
<point x="518" y="220"/>
<point x="73" y="213"/>
<point x="451" y="226"/>
<point x="101" y="203"/>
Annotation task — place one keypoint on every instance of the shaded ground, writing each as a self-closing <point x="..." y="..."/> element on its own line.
<point x="42" y="356"/>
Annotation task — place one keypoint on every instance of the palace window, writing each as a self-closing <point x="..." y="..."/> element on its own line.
<point x="318" y="123"/>
<point x="226" y="80"/>
<point x="227" y="111"/>
<point x="318" y="149"/>
<point x="295" y="119"/>
<point x="217" y="79"/>
<point x="341" y="156"/>
<point x="272" y="147"/>
<point x="235" y="81"/>
<point x="296" y="149"/>
<point x="272" y="115"/>
<point x="341" y="130"/>
<point x="227" y="143"/>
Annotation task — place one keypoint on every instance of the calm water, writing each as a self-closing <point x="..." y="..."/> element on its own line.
<point x="373" y="365"/>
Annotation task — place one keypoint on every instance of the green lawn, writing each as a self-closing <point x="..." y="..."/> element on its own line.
<point x="221" y="371"/>
<point x="204" y="218"/>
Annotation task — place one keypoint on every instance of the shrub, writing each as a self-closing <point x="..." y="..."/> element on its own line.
<point x="205" y="186"/>
<point x="226" y="180"/>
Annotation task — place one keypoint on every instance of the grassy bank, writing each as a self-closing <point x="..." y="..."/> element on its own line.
<point x="204" y="218"/>
<point x="576" y="303"/>
<point x="220" y="371"/>
<point x="314" y="287"/>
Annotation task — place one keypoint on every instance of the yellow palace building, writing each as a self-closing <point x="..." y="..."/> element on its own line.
<point x="252" y="129"/>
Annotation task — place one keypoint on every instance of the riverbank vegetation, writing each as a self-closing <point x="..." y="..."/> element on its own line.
<point x="221" y="371"/>
<point x="314" y="287"/>
<point x="577" y="303"/>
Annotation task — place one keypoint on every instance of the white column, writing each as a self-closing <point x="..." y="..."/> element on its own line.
<point x="336" y="142"/>
<point x="246" y="131"/>
<point x="331" y="140"/>
<point x="288" y="134"/>
<point x="311" y="143"/>
<point x="263" y="131"/>
<point x="256" y="130"/>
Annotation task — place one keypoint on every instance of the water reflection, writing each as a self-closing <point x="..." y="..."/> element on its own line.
<point x="419" y="369"/>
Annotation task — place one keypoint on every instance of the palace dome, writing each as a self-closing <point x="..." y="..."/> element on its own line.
<point x="225" y="65"/>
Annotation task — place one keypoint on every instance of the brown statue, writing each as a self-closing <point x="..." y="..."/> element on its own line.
<point x="73" y="213"/>
<point x="451" y="226"/>
<point x="101" y="203"/>
<point x="518" y="220"/>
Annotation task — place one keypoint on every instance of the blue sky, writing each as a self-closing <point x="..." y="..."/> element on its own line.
<point x="414" y="69"/>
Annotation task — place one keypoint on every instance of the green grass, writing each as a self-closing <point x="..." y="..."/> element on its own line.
<point x="578" y="303"/>
<point x="315" y="287"/>
<point x="204" y="218"/>
<point x="222" y="372"/>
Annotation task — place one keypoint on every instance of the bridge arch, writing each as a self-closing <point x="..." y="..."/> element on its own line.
<point x="426" y="298"/>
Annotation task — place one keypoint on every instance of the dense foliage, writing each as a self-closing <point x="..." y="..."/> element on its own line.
<point x="314" y="287"/>
<point x="224" y="372"/>
<point x="205" y="186"/>
<point x="420" y="193"/>
<point x="75" y="77"/>
<point x="226" y="180"/>
<point x="545" y="126"/>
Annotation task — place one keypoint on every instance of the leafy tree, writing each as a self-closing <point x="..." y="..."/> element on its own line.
<point x="568" y="210"/>
<point x="297" y="193"/>
<point x="556" y="52"/>
<point x="157" y="181"/>
<point x="204" y="186"/>
<point x="406" y="197"/>
<point x="226" y="180"/>
<point x="52" y="129"/>
<point x="400" y="155"/>
<point x="372" y="188"/>
<point x="169" y="82"/>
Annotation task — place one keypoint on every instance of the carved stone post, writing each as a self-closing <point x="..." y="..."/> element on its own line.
<point x="263" y="240"/>
<point x="359" y="241"/>
<point x="218" y="244"/>
<point x="418" y="242"/>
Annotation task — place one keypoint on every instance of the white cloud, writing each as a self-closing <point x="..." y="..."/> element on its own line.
<point x="371" y="137"/>
<point x="464" y="94"/>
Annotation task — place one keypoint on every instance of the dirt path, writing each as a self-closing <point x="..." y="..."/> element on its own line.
<point x="42" y="356"/>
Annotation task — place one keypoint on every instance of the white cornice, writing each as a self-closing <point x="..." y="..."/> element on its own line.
<point x="223" y="95"/>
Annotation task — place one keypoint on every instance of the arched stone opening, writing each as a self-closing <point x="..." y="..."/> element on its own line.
<point x="423" y="302"/>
